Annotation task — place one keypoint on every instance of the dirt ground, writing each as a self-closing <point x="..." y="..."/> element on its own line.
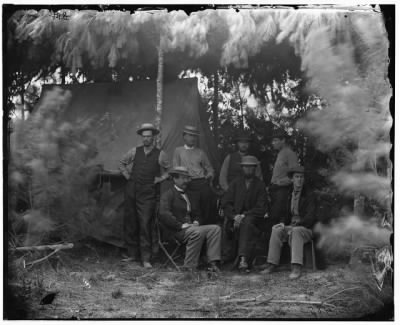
<point x="93" y="282"/>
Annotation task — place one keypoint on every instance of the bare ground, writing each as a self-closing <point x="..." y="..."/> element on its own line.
<point x="96" y="284"/>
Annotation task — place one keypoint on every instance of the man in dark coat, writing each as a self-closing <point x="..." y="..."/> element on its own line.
<point x="149" y="169"/>
<point x="295" y="226"/>
<point x="244" y="205"/>
<point x="181" y="219"/>
<point x="231" y="167"/>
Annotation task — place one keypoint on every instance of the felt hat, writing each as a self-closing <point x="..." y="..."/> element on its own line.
<point x="243" y="136"/>
<point x="147" y="126"/>
<point x="249" y="161"/>
<point x="179" y="170"/>
<point x="189" y="129"/>
<point x="293" y="170"/>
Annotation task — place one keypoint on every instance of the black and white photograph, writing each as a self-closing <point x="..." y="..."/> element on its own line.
<point x="198" y="162"/>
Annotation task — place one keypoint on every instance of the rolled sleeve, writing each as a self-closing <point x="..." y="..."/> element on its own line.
<point x="223" y="174"/>
<point x="127" y="160"/>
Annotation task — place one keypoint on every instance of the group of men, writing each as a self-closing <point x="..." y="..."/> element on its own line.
<point x="187" y="210"/>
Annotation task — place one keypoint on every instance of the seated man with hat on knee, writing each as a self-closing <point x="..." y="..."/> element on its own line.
<point x="295" y="225"/>
<point x="245" y="205"/>
<point x="182" y="220"/>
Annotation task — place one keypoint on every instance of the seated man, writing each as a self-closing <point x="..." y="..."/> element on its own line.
<point x="295" y="226"/>
<point x="244" y="205"/>
<point x="184" y="223"/>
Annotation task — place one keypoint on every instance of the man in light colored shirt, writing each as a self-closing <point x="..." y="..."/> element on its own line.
<point x="180" y="219"/>
<point x="231" y="167"/>
<point x="280" y="182"/>
<point x="294" y="227"/>
<point x="200" y="171"/>
<point x="149" y="169"/>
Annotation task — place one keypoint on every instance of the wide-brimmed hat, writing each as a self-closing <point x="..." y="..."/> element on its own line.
<point x="243" y="136"/>
<point x="179" y="170"/>
<point x="146" y="127"/>
<point x="293" y="170"/>
<point x="249" y="161"/>
<point x="189" y="129"/>
<point x="280" y="134"/>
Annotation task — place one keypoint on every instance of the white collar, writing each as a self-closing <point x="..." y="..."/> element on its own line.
<point x="179" y="189"/>
<point x="188" y="148"/>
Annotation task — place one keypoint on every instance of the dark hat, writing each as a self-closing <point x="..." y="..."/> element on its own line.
<point x="189" y="129"/>
<point x="147" y="126"/>
<point x="244" y="136"/>
<point x="280" y="134"/>
<point x="179" y="170"/>
<point x="297" y="169"/>
<point x="249" y="161"/>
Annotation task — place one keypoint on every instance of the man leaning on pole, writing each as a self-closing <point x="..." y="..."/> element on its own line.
<point x="149" y="169"/>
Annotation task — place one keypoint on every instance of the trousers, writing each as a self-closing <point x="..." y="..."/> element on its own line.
<point x="250" y="227"/>
<point x="295" y="236"/>
<point x="203" y="200"/>
<point x="194" y="238"/>
<point x="139" y="222"/>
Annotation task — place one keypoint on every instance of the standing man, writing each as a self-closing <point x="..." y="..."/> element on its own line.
<point x="231" y="168"/>
<point x="149" y="169"/>
<point x="245" y="205"/>
<point x="295" y="226"/>
<point x="280" y="183"/>
<point x="200" y="171"/>
<point x="183" y="221"/>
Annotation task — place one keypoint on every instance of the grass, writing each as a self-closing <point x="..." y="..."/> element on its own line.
<point x="119" y="290"/>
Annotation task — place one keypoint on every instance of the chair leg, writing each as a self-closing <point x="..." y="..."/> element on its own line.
<point x="168" y="255"/>
<point x="314" y="264"/>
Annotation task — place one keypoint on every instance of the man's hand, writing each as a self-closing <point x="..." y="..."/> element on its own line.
<point x="237" y="220"/>
<point x="279" y="225"/>
<point x="186" y="225"/>
<point x="126" y="175"/>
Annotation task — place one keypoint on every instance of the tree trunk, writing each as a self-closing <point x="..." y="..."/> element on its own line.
<point x="215" y="105"/>
<point x="160" y="77"/>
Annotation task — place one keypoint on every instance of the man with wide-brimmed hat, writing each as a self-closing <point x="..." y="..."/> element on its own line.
<point x="231" y="167"/>
<point x="180" y="218"/>
<point x="280" y="183"/>
<point x="295" y="226"/>
<point x="245" y="205"/>
<point x="201" y="172"/>
<point x="149" y="169"/>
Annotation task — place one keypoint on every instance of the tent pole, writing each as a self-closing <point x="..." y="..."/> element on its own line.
<point x="160" y="77"/>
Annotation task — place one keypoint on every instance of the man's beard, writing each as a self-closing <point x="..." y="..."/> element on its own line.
<point x="248" y="176"/>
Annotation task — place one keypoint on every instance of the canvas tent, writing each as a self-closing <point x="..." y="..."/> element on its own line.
<point x="117" y="110"/>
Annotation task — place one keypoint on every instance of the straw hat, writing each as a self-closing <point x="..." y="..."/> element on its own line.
<point x="147" y="126"/>
<point x="189" y="129"/>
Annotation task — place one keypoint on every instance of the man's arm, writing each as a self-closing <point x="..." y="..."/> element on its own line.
<point x="126" y="160"/>
<point x="164" y="165"/>
<point x="223" y="174"/>
<point x="209" y="171"/>
<point x="166" y="216"/>
<point x="259" y="172"/>
<point x="176" y="159"/>
<point x="228" y="201"/>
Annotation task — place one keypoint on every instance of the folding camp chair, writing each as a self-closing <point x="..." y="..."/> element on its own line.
<point x="162" y="243"/>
